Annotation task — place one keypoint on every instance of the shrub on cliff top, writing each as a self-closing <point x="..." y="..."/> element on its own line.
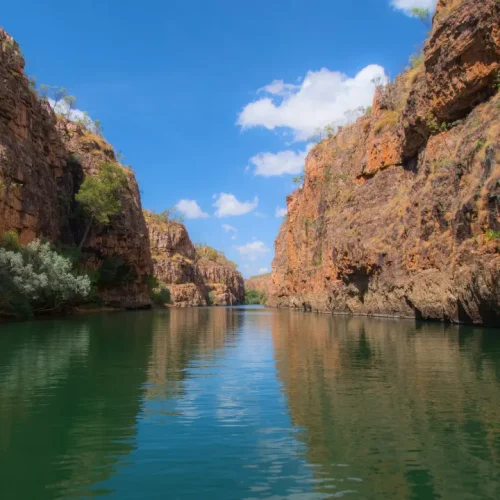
<point x="35" y="279"/>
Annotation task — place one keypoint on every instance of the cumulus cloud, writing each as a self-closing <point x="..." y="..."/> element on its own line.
<point x="280" y="212"/>
<point x="74" y="115"/>
<point x="407" y="5"/>
<point x="324" y="97"/>
<point x="227" y="205"/>
<point x="190" y="209"/>
<point x="253" y="250"/>
<point x="263" y="270"/>
<point x="284" y="162"/>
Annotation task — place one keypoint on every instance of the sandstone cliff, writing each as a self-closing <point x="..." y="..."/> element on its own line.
<point x="399" y="213"/>
<point x="195" y="276"/>
<point x="43" y="161"/>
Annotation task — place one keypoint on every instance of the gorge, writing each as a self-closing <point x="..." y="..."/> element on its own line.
<point x="398" y="214"/>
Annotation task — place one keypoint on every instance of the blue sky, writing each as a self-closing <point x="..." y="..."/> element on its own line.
<point x="205" y="97"/>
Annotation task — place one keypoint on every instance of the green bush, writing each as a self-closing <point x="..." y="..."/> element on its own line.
<point x="10" y="240"/>
<point x="161" y="296"/>
<point x="492" y="235"/>
<point x="36" y="279"/>
<point x="253" y="297"/>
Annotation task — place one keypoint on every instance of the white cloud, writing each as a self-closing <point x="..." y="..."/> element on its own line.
<point x="284" y="162"/>
<point x="253" y="250"/>
<point x="280" y="212"/>
<point x="324" y="97"/>
<point x="191" y="209"/>
<point x="407" y="5"/>
<point x="279" y="87"/>
<point x="263" y="270"/>
<point x="227" y="205"/>
<point x="74" y="115"/>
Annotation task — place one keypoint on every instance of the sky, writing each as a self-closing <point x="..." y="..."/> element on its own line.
<point x="214" y="103"/>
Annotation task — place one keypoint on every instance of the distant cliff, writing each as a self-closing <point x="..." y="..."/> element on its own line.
<point x="44" y="159"/>
<point x="261" y="283"/>
<point x="399" y="213"/>
<point x="195" y="276"/>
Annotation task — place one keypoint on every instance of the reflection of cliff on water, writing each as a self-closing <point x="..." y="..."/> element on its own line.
<point x="181" y="336"/>
<point x="406" y="408"/>
<point x="70" y="391"/>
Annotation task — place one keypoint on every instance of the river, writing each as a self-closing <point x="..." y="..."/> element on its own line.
<point x="248" y="403"/>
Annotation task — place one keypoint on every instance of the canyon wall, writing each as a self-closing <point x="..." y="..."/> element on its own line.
<point x="43" y="161"/>
<point x="195" y="276"/>
<point x="399" y="213"/>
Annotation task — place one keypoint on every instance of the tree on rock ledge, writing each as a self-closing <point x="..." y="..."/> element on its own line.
<point x="100" y="196"/>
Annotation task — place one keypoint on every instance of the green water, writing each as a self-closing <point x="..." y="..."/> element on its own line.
<point x="228" y="404"/>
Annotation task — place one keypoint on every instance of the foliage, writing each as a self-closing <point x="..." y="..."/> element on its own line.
<point x="36" y="279"/>
<point x="480" y="145"/>
<point x="253" y="297"/>
<point x="160" y="294"/>
<point x="204" y="251"/>
<point x="368" y="110"/>
<point x="10" y="240"/>
<point x="496" y="83"/>
<point x="211" y="298"/>
<point x="416" y="60"/>
<point x="100" y="195"/>
<point x="434" y="126"/>
<point x="492" y="235"/>
<point x="299" y="180"/>
<point x="389" y="119"/>
<point x="170" y="214"/>
<point x="423" y="15"/>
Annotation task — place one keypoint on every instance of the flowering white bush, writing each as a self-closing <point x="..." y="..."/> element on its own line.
<point x="36" y="278"/>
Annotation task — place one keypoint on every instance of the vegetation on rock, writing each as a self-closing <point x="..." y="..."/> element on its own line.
<point x="100" y="195"/>
<point x="253" y="297"/>
<point x="36" y="279"/>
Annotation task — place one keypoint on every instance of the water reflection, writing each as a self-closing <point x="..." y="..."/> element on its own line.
<point x="407" y="412"/>
<point x="69" y="395"/>
<point x="226" y="404"/>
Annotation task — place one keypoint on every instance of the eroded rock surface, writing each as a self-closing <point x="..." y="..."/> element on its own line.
<point x="399" y="213"/>
<point x="43" y="161"/>
<point x="194" y="276"/>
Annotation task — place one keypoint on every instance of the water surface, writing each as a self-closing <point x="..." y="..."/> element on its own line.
<point x="248" y="403"/>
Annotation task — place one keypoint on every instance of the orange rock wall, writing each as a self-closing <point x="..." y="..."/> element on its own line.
<point x="399" y="213"/>
<point x="43" y="161"/>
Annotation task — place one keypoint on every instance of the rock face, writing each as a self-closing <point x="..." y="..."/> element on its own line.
<point x="262" y="283"/>
<point x="194" y="276"/>
<point x="399" y="214"/>
<point x="43" y="161"/>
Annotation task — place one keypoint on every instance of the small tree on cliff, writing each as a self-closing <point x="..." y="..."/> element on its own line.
<point x="100" y="195"/>
<point x="423" y="15"/>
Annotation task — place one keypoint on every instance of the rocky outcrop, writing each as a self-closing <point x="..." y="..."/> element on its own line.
<point x="43" y="161"/>
<point x="260" y="283"/>
<point x="194" y="276"/>
<point x="399" y="213"/>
